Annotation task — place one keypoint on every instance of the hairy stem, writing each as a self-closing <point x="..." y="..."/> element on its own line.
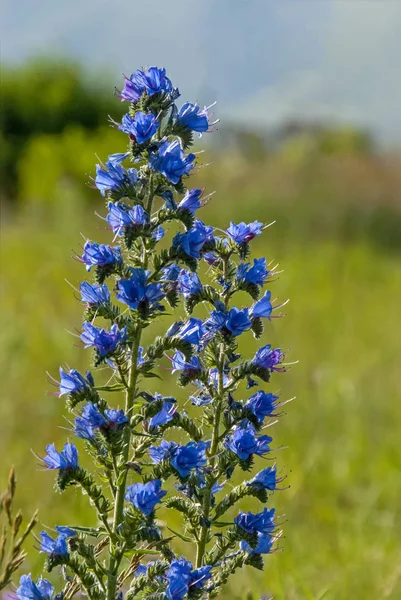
<point x="115" y="559"/>
<point x="119" y="502"/>
<point x="207" y="499"/>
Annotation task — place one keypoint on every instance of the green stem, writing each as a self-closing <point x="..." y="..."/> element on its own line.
<point x="115" y="558"/>
<point x="207" y="499"/>
<point x="119" y="501"/>
<point x="213" y="449"/>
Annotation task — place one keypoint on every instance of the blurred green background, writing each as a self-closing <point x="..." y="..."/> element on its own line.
<point x="336" y="199"/>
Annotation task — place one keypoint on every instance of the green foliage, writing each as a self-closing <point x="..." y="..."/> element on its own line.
<point x="60" y="97"/>
<point x="12" y="535"/>
<point x="147" y="582"/>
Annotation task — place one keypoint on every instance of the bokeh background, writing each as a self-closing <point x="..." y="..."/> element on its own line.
<point x="309" y="100"/>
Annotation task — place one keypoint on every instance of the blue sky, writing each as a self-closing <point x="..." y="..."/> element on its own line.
<point x="263" y="60"/>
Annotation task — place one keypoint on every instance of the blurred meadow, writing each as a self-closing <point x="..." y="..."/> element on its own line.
<point x="336" y="200"/>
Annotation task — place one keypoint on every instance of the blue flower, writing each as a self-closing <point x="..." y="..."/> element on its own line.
<point x="200" y="576"/>
<point x="210" y="258"/>
<point x="115" y="418"/>
<point x="163" y="452"/>
<point x="99" y="255"/>
<point x="256" y="274"/>
<point x="191" y="116"/>
<point x="152" y="81"/>
<point x="145" y="496"/>
<point x="164" y="416"/>
<point x="168" y="197"/>
<point x="261" y="404"/>
<point x="188" y="283"/>
<point x="263" y="307"/>
<point x="170" y="274"/>
<point x="28" y="590"/>
<point x="57" y="547"/>
<point x="201" y="400"/>
<point x="121" y="218"/>
<point x="118" y="157"/>
<point x="135" y="291"/>
<point x="179" y="578"/>
<point x="141" y="570"/>
<point x="93" y="294"/>
<point x="244" y="442"/>
<point x="92" y="415"/>
<point x="72" y="382"/>
<point x="83" y="429"/>
<point x="243" y="233"/>
<point x="66" y="532"/>
<point x="93" y="419"/>
<point x="191" y="331"/>
<point x="266" y="358"/>
<point x="141" y="358"/>
<point x="66" y="459"/>
<point x="171" y="161"/>
<point x="192" y="242"/>
<point x="158" y="233"/>
<point x="216" y="321"/>
<point x="191" y="456"/>
<point x="262" y="522"/>
<point x="214" y="377"/>
<point x="141" y="127"/>
<point x="112" y="175"/>
<point x="265" y="542"/>
<point x="201" y="482"/>
<point x="266" y="479"/>
<point x="192" y="368"/>
<point x="238" y="321"/>
<point x="104" y="341"/>
<point x="191" y="201"/>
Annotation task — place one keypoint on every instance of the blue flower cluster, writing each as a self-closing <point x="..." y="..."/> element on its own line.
<point x="153" y="453"/>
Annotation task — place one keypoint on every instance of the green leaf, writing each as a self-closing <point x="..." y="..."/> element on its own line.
<point x="184" y="538"/>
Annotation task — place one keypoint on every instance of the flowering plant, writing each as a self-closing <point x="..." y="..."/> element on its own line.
<point x="142" y="462"/>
